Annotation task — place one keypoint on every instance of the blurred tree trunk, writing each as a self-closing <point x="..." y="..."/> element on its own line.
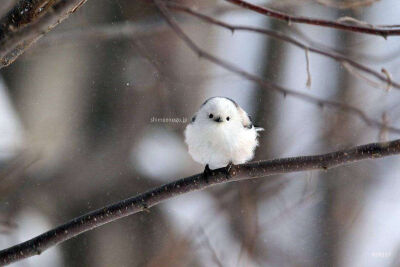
<point x="243" y="207"/>
<point x="84" y="132"/>
<point x="342" y="189"/>
<point x="84" y="128"/>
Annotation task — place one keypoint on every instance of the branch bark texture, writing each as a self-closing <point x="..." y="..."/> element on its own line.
<point x="285" y="38"/>
<point x="383" y="31"/>
<point x="28" y="21"/>
<point x="144" y="201"/>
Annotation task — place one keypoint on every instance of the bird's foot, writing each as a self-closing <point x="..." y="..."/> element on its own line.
<point x="207" y="173"/>
<point x="228" y="169"/>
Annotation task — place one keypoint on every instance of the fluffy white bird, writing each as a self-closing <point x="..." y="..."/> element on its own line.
<point x="221" y="134"/>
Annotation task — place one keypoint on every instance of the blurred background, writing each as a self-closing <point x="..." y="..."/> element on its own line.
<point x="86" y="120"/>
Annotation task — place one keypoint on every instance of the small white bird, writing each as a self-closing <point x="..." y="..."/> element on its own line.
<point x="221" y="134"/>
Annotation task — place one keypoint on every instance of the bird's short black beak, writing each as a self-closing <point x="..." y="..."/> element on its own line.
<point x="218" y="119"/>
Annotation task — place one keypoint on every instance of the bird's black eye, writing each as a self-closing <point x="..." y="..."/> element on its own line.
<point x="227" y="118"/>
<point x="211" y="116"/>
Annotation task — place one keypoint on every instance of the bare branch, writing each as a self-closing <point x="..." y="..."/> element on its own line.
<point x="264" y="83"/>
<point x="98" y="33"/>
<point x="280" y="36"/>
<point x="383" y="136"/>
<point x="308" y="83"/>
<point x="344" y="50"/>
<point x="381" y="31"/>
<point x="133" y="31"/>
<point x="28" y="21"/>
<point x="144" y="201"/>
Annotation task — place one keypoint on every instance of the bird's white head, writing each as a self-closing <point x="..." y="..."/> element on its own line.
<point x="218" y="111"/>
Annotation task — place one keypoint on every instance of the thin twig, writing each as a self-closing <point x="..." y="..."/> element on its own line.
<point x="280" y="36"/>
<point x="389" y="78"/>
<point x="344" y="50"/>
<point x="308" y="83"/>
<point x="353" y="71"/>
<point x="264" y="83"/>
<point x="144" y="201"/>
<point x="383" y="136"/>
<point x="29" y="21"/>
<point x="130" y="30"/>
<point x="382" y="31"/>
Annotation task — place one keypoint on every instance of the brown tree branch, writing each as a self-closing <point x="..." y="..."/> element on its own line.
<point x="28" y="21"/>
<point x="128" y="30"/>
<point x="135" y="30"/>
<point x="280" y="36"/>
<point x="391" y="55"/>
<point x="264" y="83"/>
<point x="144" y="201"/>
<point x="381" y="31"/>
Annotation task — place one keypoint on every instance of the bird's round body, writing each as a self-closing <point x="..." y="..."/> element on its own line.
<point x="221" y="133"/>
